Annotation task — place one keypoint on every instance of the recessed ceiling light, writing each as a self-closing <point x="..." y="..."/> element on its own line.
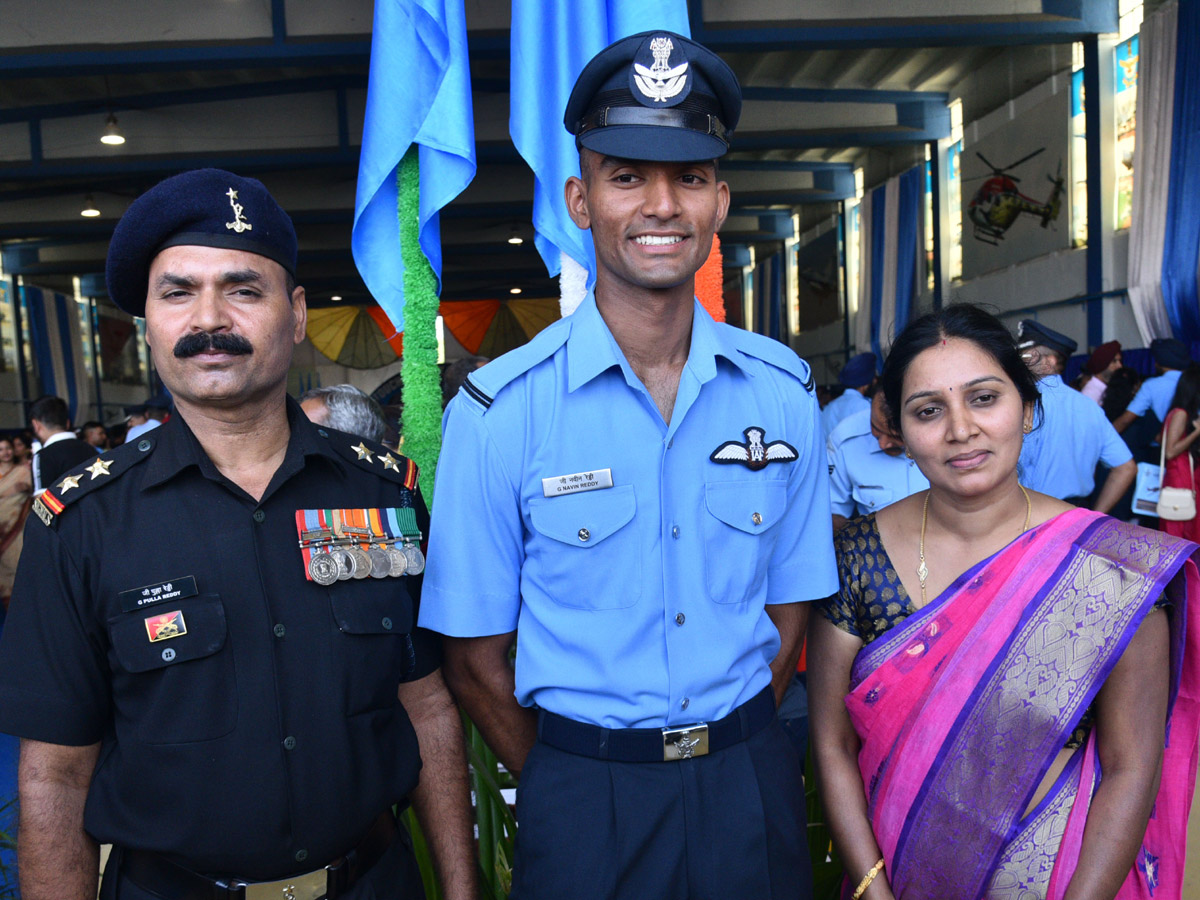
<point x="514" y="290"/>
<point x="515" y="238"/>
<point x="89" y="208"/>
<point x="336" y="298"/>
<point x="112" y="133"/>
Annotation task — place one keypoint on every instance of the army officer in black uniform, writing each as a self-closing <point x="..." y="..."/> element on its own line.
<point x="211" y="655"/>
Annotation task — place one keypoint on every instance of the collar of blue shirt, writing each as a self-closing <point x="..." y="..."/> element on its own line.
<point x="592" y="349"/>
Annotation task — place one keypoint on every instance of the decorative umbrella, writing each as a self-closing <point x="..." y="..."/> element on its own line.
<point x="360" y="337"/>
<point x="493" y="327"/>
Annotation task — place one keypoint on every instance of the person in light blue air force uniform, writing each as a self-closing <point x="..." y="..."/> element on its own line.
<point x="641" y="495"/>
<point x="1060" y="454"/>
<point x="869" y="467"/>
<point x="858" y="377"/>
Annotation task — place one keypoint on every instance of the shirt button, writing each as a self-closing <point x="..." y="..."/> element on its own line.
<point x="301" y="855"/>
<point x="584" y="534"/>
<point x="259" y="515"/>
<point x="387" y="623"/>
<point x="680" y="618"/>
<point x="756" y="518"/>
<point x="683" y="704"/>
<point x="675" y="532"/>
<point x="143" y="445"/>
<point x="289" y="743"/>
<point x="279" y="630"/>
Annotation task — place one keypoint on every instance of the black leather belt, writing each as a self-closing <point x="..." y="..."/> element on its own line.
<point x="157" y="874"/>
<point x="658" y="744"/>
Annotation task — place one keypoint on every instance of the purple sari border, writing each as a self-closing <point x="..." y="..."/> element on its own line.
<point x="983" y="685"/>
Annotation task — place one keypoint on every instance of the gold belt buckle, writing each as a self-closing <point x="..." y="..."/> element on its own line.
<point x="685" y="742"/>
<point x="311" y="886"/>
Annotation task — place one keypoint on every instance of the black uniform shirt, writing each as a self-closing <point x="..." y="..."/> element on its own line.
<point x="265" y="739"/>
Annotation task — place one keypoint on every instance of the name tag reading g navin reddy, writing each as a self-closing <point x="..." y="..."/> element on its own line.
<point x="577" y="483"/>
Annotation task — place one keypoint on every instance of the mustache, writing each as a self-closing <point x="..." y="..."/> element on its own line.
<point x="203" y="341"/>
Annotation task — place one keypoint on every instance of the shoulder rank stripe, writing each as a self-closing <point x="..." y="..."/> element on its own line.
<point x="476" y="394"/>
<point x="52" y="503"/>
<point x="410" y="476"/>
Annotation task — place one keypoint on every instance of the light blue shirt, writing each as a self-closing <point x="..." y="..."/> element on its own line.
<point x="1156" y="394"/>
<point x="1059" y="456"/>
<point x="642" y="604"/>
<point x="839" y="408"/>
<point x="862" y="477"/>
<point x="138" y="430"/>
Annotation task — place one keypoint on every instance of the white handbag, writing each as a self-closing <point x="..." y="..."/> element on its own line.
<point x="1176" y="504"/>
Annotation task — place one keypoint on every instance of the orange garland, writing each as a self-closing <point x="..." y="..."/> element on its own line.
<point x="710" y="283"/>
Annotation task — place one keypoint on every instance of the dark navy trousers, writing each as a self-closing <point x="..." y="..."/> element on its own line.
<point x="727" y="826"/>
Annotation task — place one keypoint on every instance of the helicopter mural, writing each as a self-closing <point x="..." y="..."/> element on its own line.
<point x="998" y="203"/>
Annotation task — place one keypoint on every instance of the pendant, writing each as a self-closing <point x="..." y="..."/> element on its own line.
<point x="923" y="572"/>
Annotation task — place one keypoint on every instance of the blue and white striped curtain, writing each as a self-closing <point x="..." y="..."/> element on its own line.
<point x="768" y="298"/>
<point x="58" y="347"/>
<point x="892" y="259"/>
<point x="1164" y="240"/>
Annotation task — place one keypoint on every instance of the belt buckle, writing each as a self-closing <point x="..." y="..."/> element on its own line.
<point x="685" y="742"/>
<point x="310" y="886"/>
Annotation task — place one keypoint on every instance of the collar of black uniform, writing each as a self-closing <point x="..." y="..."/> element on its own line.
<point x="178" y="449"/>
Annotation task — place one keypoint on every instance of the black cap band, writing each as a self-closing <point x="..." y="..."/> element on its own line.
<point x="661" y="118"/>
<point x="229" y="242"/>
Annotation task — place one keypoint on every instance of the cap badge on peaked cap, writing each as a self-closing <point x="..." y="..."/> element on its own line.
<point x="659" y="82"/>
<point x="239" y="223"/>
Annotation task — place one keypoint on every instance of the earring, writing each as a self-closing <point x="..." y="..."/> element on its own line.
<point x="1028" y="428"/>
<point x="906" y="453"/>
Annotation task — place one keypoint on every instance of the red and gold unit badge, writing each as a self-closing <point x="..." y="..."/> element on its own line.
<point x="168" y="625"/>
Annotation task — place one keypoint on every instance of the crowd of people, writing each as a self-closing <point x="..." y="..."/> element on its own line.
<point x="225" y="655"/>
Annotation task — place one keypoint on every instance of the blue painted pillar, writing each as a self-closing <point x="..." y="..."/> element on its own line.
<point x="1095" y="204"/>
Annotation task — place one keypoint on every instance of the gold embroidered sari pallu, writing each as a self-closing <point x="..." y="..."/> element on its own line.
<point x="963" y="708"/>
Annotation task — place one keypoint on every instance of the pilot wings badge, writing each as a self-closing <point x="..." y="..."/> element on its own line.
<point x="754" y="454"/>
<point x="660" y="81"/>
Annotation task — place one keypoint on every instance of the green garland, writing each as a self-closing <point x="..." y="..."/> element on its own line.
<point x="421" y="421"/>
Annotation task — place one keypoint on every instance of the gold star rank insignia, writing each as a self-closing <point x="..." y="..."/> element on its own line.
<point x="99" y="467"/>
<point x="71" y="481"/>
<point x="390" y="462"/>
<point x="363" y="452"/>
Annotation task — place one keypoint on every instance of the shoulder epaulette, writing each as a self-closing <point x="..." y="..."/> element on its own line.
<point x="373" y="456"/>
<point x="775" y="353"/>
<point x="482" y="385"/>
<point x="87" y="477"/>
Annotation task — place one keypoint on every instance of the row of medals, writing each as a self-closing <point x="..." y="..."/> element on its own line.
<point x="331" y="562"/>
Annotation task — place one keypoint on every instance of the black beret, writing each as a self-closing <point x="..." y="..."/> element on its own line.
<point x="655" y="96"/>
<point x="1034" y="334"/>
<point x="204" y="207"/>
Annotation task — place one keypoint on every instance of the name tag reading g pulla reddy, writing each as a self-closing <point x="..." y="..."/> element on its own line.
<point x="577" y="483"/>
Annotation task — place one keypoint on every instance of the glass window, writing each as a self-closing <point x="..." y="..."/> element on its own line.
<point x="8" y="328"/>
<point x="1079" y="192"/>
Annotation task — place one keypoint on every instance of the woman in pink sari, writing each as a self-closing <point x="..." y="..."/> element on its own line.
<point x="1004" y="692"/>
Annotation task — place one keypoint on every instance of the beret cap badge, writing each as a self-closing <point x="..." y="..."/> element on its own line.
<point x="239" y="223"/>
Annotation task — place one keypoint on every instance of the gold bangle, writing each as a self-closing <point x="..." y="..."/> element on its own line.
<point x="867" y="879"/>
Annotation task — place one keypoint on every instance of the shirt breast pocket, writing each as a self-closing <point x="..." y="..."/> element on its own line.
<point x="173" y="676"/>
<point x="740" y="535"/>
<point x="872" y="497"/>
<point x="372" y="646"/>
<point x="584" y="549"/>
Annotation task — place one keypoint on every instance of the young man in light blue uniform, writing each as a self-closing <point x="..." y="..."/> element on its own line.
<point x="858" y="376"/>
<point x="1059" y="456"/>
<point x="1170" y="359"/>
<point x="868" y="468"/>
<point x="640" y="494"/>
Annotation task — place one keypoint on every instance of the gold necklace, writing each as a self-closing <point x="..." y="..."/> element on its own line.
<point x="923" y="570"/>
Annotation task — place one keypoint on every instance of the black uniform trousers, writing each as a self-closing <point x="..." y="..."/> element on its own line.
<point x="395" y="876"/>
<point x="727" y="826"/>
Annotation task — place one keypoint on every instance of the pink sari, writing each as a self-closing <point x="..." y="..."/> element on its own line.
<point x="963" y="707"/>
